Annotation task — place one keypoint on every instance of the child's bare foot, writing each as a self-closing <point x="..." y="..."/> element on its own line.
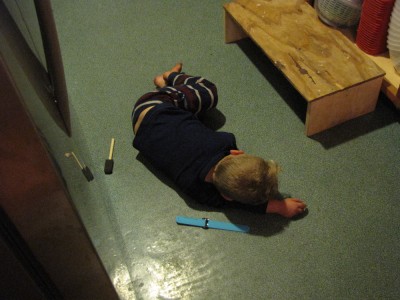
<point x="161" y="80"/>
<point x="176" y="68"/>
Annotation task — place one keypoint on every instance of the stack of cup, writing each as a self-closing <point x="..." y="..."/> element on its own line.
<point x="393" y="40"/>
<point x="373" y="27"/>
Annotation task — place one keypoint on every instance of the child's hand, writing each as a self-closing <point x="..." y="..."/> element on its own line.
<point x="287" y="208"/>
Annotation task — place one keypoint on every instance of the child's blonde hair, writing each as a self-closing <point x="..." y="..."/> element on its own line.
<point x="246" y="178"/>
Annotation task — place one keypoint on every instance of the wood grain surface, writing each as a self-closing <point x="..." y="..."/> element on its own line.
<point x="316" y="59"/>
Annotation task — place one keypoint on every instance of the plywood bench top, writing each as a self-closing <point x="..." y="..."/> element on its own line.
<point x="316" y="59"/>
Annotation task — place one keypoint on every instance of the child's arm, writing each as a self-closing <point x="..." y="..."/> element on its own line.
<point x="288" y="207"/>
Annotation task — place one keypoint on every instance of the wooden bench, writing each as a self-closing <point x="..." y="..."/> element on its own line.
<point x="338" y="81"/>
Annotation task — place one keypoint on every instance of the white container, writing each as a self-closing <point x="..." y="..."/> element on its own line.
<point x="339" y="13"/>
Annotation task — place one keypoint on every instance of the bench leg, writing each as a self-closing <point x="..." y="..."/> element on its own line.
<point x="233" y="32"/>
<point x="334" y="109"/>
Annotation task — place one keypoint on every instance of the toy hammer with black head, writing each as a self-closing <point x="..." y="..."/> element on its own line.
<point x="85" y="170"/>
<point x="109" y="164"/>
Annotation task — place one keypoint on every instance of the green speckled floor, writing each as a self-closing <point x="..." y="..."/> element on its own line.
<point x="346" y="248"/>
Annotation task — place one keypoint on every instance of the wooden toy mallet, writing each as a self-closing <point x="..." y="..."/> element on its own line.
<point x="109" y="164"/>
<point x="85" y="170"/>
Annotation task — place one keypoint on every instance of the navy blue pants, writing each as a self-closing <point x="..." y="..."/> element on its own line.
<point x="194" y="94"/>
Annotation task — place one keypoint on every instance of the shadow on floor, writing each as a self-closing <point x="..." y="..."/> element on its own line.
<point x="260" y="224"/>
<point x="275" y="77"/>
<point x="384" y="115"/>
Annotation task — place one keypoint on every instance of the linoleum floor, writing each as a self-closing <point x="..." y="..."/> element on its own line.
<point x="346" y="248"/>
